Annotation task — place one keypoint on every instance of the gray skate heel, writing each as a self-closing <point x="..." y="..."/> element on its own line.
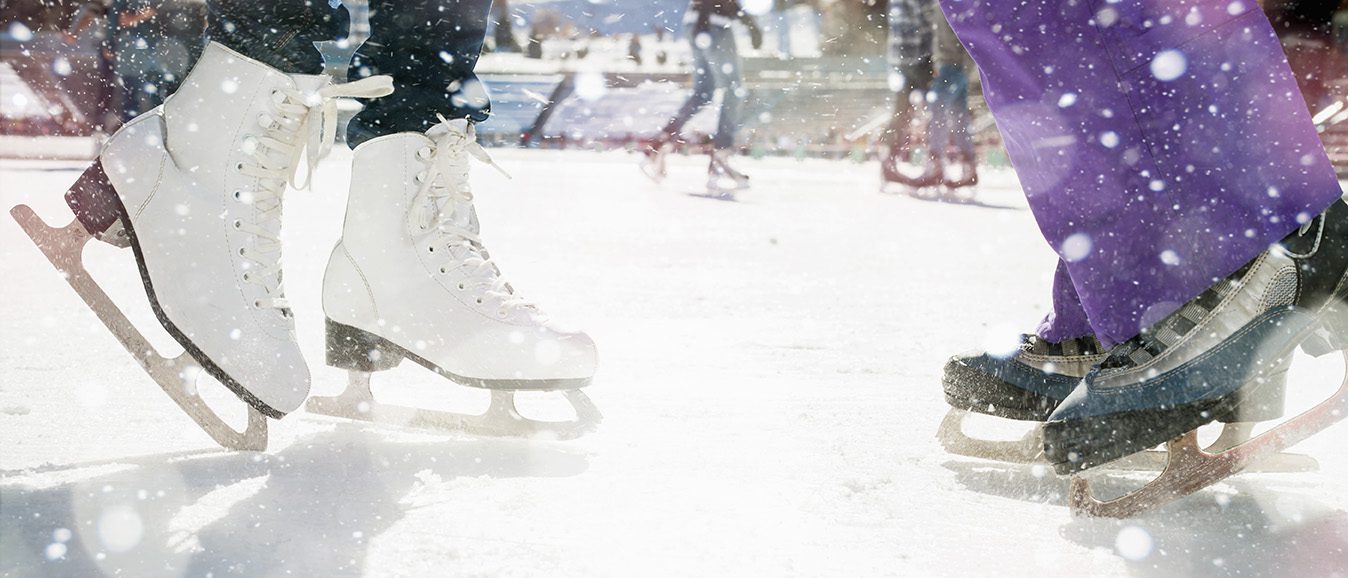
<point x="362" y="354"/>
<point x="355" y="350"/>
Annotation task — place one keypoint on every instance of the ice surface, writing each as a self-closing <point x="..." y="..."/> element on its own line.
<point x="769" y="374"/>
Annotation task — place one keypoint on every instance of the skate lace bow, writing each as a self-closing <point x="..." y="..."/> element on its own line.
<point x="443" y="204"/>
<point x="319" y="121"/>
<point x="298" y="121"/>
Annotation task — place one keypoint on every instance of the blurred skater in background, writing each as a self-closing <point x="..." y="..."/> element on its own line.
<point x="930" y="71"/>
<point x="716" y="64"/>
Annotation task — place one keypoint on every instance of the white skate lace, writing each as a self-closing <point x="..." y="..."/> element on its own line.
<point x="441" y="205"/>
<point x="298" y="122"/>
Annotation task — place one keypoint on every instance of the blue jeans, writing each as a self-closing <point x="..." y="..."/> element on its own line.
<point x="716" y="64"/>
<point x="950" y="118"/>
<point x="429" y="47"/>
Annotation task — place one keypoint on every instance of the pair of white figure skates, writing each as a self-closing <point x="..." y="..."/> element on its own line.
<point x="195" y="189"/>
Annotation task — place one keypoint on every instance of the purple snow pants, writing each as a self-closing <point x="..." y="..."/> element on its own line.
<point x="1162" y="144"/>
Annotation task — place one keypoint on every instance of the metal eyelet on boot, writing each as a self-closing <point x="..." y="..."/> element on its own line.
<point x="424" y="153"/>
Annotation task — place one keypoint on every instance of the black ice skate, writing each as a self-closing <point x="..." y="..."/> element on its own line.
<point x="1181" y="373"/>
<point x="1032" y="382"/>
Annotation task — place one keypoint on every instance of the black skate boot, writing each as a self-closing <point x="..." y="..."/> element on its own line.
<point x="1232" y="341"/>
<point x="1032" y="382"/>
<point x="1028" y="385"/>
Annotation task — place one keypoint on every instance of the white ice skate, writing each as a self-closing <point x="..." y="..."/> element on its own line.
<point x="194" y="189"/>
<point x="653" y="159"/>
<point x="723" y="181"/>
<point x="411" y="279"/>
<point x="1029" y="384"/>
<point x="959" y="178"/>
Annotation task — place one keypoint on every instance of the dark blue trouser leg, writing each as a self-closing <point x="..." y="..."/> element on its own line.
<point x="725" y="66"/>
<point x="429" y="47"/>
<point x="704" y="87"/>
<point x="278" y="33"/>
<point x="950" y="112"/>
<point x="716" y="64"/>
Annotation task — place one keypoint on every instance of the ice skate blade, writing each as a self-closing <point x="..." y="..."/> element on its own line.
<point x="1189" y="468"/>
<point x="715" y="196"/>
<point x="500" y="420"/>
<point x="64" y="247"/>
<point x="1029" y="449"/>
<point x="1026" y="450"/>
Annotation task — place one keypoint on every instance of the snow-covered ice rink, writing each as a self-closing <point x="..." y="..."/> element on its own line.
<point x="770" y="378"/>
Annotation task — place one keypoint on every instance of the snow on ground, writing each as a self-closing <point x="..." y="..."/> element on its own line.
<point x="770" y="379"/>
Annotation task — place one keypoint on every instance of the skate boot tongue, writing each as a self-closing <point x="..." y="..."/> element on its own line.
<point x="301" y="118"/>
<point x="442" y="210"/>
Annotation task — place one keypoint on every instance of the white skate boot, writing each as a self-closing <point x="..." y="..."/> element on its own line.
<point x="411" y="279"/>
<point x="653" y="155"/>
<point x="195" y="188"/>
<point x="723" y="181"/>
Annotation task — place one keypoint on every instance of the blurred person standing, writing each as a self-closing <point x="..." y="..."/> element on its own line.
<point x="930" y="68"/>
<point x="949" y="136"/>
<point x="716" y="64"/>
